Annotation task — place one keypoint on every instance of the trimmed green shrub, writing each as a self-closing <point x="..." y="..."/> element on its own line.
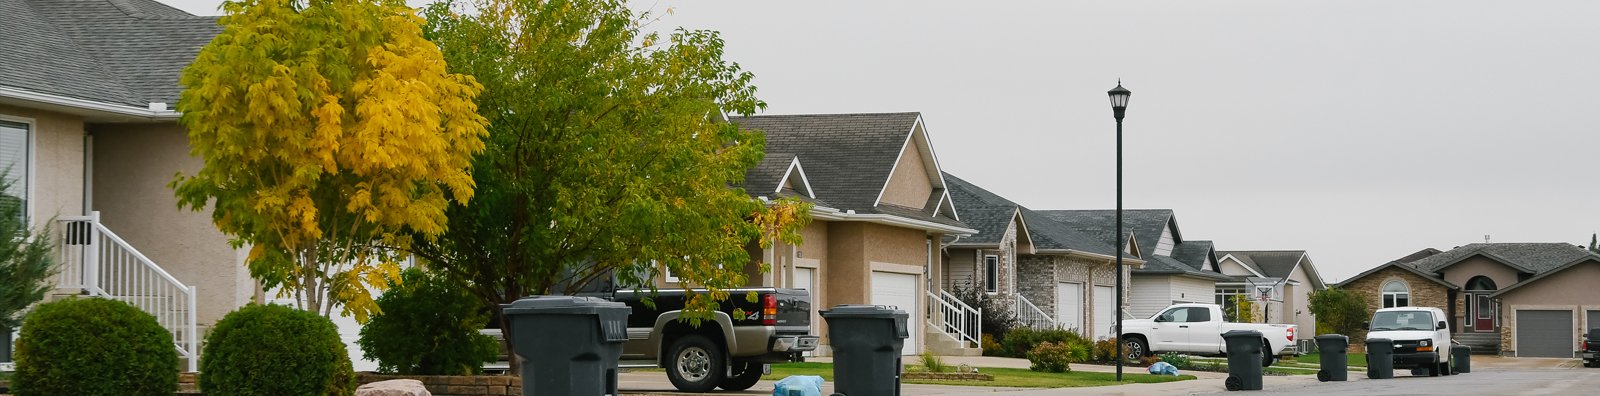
<point x="1056" y="357"/>
<point x="275" y="350"/>
<point x="1019" y="341"/>
<point x="1104" y="351"/>
<point x="94" y="346"/>
<point x="428" y="327"/>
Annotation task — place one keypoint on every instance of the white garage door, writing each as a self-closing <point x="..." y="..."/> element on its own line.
<point x="1069" y="306"/>
<point x="1542" y="333"/>
<point x="898" y="290"/>
<point x="1105" y="312"/>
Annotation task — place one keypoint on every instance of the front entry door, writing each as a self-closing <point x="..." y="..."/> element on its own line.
<point x="1482" y="313"/>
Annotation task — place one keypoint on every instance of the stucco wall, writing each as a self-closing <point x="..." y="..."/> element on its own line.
<point x="909" y="185"/>
<point x="1424" y="293"/>
<point x="58" y="141"/>
<point x="1459" y="273"/>
<point x="1297" y="302"/>
<point x="132" y="165"/>
<point x="1570" y="289"/>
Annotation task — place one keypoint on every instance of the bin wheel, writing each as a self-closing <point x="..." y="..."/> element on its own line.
<point x="1322" y="375"/>
<point x="695" y="364"/>
<point x="745" y="375"/>
<point x="1233" y="383"/>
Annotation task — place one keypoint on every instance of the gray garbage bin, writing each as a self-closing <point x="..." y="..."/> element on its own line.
<point x="866" y="341"/>
<point x="1335" y="359"/>
<point x="1460" y="359"/>
<point x="1244" y="359"/>
<point x="569" y="345"/>
<point x="1380" y="358"/>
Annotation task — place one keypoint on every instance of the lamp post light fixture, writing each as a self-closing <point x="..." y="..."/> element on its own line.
<point x="1119" y="107"/>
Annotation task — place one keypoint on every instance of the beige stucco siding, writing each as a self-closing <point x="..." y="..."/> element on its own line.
<point x="909" y="185"/>
<point x="57" y="181"/>
<point x="133" y="163"/>
<point x="1460" y="273"/>
<point x="1297" y="302"/>
<point x="1570" y="289"/>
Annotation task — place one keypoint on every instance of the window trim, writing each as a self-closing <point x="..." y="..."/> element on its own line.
<point x="1389" y="299"/>
<point x="30" y="184"/>
<point x="991" y="274"/>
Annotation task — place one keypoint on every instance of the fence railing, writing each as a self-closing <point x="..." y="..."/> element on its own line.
<point x="101" y="264"/>
<point x="960" y="321"/>
<point x="1030" y="315"/>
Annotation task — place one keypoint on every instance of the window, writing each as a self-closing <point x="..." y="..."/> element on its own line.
<point x="1197" y="315"/>
<point x="1396" y="294"/>
<point x="1175" y="315"/>
<point x="14" y="147"/>
<point x="991" y="274"/>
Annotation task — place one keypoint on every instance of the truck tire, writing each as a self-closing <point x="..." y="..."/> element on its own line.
<point x="1433" y="370"/>
<point x="695" y="364"/>
<point x="1134" y="349"/>
<point x="745" y="375"/>
<point x="1267" y="357"/>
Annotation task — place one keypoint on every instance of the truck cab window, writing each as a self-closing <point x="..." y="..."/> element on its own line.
<point x="1198" y="314"/>
<point x="1175" y="315"/>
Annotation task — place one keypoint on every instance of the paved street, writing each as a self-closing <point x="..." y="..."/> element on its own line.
<point x="1491" y="376"/>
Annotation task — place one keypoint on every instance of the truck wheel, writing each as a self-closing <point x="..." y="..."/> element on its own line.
<point x="1134" y="349"/>
<point x="1267" y="357"/>
<point x="1433" y="369"/>
<point x="695" y="364"/>
<point x="745" y="375"/>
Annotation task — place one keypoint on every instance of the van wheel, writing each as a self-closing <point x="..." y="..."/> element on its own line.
<point x="695" y="364"/>
<point x="1433" y="370"/>
<point x="745" y="375"/>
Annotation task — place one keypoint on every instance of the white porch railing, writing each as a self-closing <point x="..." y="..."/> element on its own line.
<point x="98" y="262"/>
<point x="960" y="321"/>
<point x="1030" y="315"/>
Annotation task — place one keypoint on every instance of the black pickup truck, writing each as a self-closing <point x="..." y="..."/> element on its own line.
<point x="1591" y="348"/>
<point x="729" y="350"/>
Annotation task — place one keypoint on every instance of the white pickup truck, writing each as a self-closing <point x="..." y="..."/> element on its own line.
<point x="1197" y="329"/>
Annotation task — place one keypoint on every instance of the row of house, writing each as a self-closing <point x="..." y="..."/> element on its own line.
<point x="87" y="131"/>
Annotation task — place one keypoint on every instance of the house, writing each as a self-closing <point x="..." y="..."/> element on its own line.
<point x="1155" y="237"/>
<point x="1287" y="276"/>
<point x="1050" y="275"/>
<point x="881" y="211"/>
<point x="86" y="127"/>
<point x="1516" y="299"/>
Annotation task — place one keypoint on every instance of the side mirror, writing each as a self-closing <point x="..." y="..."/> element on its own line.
<point x="1441" y="326"/>
<point x="1366" y="325"/>
<point x="1161" y="318"/>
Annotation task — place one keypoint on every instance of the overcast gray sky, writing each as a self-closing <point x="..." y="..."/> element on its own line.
<point x="1359" y="131"/>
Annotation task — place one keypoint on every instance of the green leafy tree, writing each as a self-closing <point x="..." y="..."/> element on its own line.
<point x="25" y="261"/>
<point x="1594" y="243"/>
<point x="328" y="129"/>
<point x="607" y="155"/>
<point x="1338" y="311"/>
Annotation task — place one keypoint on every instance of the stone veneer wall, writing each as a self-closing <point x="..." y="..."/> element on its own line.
<point x="1038" y="276"/>
<point x="1424" y="293"/>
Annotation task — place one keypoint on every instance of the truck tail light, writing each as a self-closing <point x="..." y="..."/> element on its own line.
<point x="1291" y="334"/>
<point x="1583" y="345"/>
<point x="769" y="310"/>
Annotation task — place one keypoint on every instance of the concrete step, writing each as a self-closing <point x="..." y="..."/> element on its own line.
<point x="942" y="344"/>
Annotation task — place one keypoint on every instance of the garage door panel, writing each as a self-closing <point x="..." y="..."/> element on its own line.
<point x="1104" y="312"/>
<point x="1544" y="333"/>
<point x="1069" y="306"/>
<point x="900" y="291"/>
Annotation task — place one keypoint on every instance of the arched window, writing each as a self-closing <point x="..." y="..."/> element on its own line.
<point x="1480" y="283"/>
<point x="1396" y="294"/>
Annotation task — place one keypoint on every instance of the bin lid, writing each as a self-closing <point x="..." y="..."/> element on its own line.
<point x="1241" y="333"/>
<point x="1333" y="337"/>
<point x="613" y="316"/>
<point x="1379" y="341"/>
<point x="871" y="311"/>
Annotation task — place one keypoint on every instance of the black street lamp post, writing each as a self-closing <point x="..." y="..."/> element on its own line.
<point x="1119" y="106"/>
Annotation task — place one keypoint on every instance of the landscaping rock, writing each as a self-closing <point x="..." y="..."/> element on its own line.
<point x="399" y="387"/>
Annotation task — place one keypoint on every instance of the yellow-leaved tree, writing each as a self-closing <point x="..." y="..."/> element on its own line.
<point x="328" y="128"/>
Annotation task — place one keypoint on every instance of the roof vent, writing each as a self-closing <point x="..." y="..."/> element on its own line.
<point x="158" y="106"/>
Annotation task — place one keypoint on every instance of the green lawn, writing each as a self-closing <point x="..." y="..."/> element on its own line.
<point x="1003" y="377"/>
<point x="1355" y="359"/>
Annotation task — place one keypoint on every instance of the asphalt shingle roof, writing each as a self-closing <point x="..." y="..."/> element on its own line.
<point x="982" y="210"/>
<point x="847" y="158"/>
<point x="1194" y="253"/>
<point x="1272" y="263"/>
<point x="1145" y="224"/>
<point x="1534" y="258"/>
<point x="128" y="52"/>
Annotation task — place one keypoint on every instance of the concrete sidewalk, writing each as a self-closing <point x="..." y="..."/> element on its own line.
<point x="1017" y="363"/>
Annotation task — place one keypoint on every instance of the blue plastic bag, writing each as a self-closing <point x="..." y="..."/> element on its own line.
<point x="1163" y="368"/>
<point x="798" y="385"/>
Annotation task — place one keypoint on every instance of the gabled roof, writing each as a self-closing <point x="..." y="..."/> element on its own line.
<point x="1163" y="265"/>
<point x="1195" y="254"/>
<point x="1051" y="235"/>
<point x="848" y="160"/>
<point x="1404" y="267"/>
<point x="126" y="53"/>
<point x="990" y="214"/>
<point x="1101" y="224"/>
<point x="1244" y="261"/>
<point x="1272" y="263"/>
<point x="1549" y="273"/>
<point x="1418" y="255"/>
<point x="1529" y="258"/>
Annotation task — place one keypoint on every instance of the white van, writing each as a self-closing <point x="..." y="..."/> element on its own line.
<point x="1421" y="337"/>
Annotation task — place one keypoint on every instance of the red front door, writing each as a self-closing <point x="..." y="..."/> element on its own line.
<point x="1483" y="313"/>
